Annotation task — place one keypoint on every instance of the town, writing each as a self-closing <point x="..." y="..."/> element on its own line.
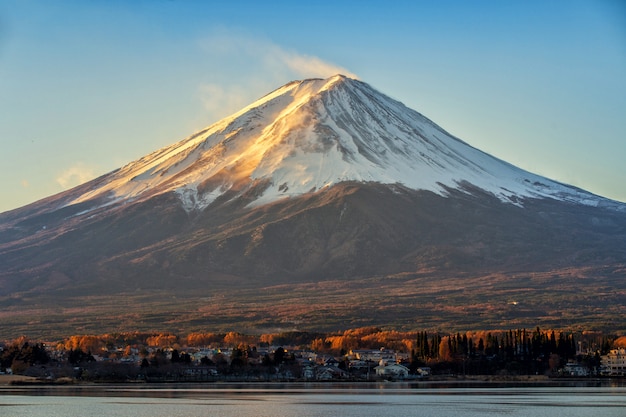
<point x="366" y="354"/>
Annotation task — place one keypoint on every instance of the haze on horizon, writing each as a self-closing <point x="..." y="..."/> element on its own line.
<point x="87" y="87"/>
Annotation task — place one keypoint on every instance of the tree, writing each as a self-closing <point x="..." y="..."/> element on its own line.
<point x="157" y="358"/>
<point x="77" y="356"/>
<point x="279" y="356"/>
<point x="127" y="351"/>
<point x="239" y="358"/>
<point x="22" y="354"/>
<point x="445" y="348"/>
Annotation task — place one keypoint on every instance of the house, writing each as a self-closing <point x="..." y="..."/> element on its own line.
<point x="614" y="364"/>
<point x="308" y="371"/>
<point x="375" y="355"/>
<point x="575" y="369"/>
<point x="394" y="370"/>
<point x="327" y="373"/>
<point x="307" y="355"/>
<point x="328" y="361"/>
<point x="360" y="364"/>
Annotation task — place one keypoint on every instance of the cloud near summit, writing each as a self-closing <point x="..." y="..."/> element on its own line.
<point x="310" y="66"/>
<point x="75" y="175"/>
<point x="261" y="65"/>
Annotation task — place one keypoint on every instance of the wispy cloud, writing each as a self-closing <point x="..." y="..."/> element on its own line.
<point x="304" y="65"/>
<point x="223" y="100"/>
<point x="265" y="56"/>
<point x="75" y="175"/>
<point x="258" y="65"/>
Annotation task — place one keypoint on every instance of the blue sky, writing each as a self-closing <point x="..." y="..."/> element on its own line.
<point x="88" y="86"/>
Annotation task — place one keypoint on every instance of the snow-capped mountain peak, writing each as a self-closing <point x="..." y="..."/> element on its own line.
<point x="312" y="134"/>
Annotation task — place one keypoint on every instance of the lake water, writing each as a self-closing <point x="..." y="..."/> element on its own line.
<point x="315" y="400"/>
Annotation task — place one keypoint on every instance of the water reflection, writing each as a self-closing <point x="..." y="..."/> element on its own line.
<point x="316" y="400"/>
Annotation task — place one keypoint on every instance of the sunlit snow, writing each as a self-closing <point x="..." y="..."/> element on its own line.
<point x="312" y="134"/>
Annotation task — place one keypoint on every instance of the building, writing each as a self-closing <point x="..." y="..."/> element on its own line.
<point x="387" y="356"/>
<point x="325" y="373"/>
<point x="575" y="369"/>
<point x="614" y="364"/>
<point x="394" y="370"/>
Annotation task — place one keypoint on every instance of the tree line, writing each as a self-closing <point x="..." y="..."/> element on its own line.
<point x="518" y="351"/>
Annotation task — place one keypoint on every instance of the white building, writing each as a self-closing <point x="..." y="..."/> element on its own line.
<point x="394" y="370"/>
<point x="387" y="356"/>
<point x="575" y="369"/>
<point x="614" y="363"/>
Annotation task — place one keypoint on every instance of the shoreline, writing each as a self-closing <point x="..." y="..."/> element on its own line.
<point x="27" y="381"/>
<point x="16" y="379"/>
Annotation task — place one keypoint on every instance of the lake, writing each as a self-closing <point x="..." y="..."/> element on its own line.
<point x="316" y="400"/>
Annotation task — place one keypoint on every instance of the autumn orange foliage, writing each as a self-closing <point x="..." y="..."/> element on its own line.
<point x="620" y="342"/>
<point x="440" y="347"/>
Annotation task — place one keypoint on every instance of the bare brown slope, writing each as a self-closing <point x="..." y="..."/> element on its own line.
<point x="353" y="254"/>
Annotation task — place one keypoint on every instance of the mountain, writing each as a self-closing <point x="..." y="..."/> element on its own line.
<point x="323" y="204"/>
<point x="312" y="134"/>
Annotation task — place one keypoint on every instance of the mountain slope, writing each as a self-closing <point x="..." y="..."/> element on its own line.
<point x="320" y="181"/>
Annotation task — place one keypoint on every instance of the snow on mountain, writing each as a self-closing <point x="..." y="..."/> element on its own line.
<point x="312" y="134"/>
